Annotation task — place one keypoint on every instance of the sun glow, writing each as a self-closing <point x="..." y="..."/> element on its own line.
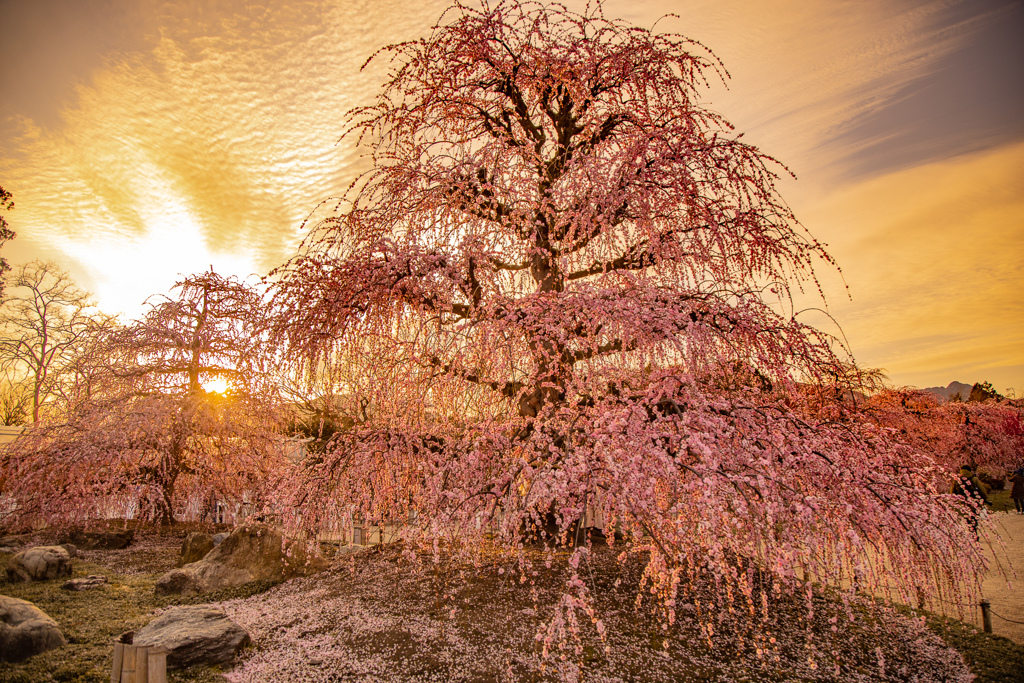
<point x="216" y="385"/>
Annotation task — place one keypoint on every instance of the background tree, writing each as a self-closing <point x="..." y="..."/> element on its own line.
<point x="984" y="391"/>
<point x="569" y="279"/>
<point x="6" y="204"/>
<point x="987" y="436"/>
<point x="44" y="319"/>
<point x="15" y="401"/>
<point x="324" y="400"/>
<point x="144" y="435"/>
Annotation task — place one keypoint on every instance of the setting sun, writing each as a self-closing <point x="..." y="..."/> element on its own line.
<point x="216" y="385"/>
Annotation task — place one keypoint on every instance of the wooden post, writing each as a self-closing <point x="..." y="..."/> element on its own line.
<point x="115" y="669"/>
<point x="986" y="615"/>
<point x="128" y="665"/>
<point x="141" y="664"/>
<point x="157" y="665"/>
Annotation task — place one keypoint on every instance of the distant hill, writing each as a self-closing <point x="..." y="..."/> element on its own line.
<point x="952" y="390"/>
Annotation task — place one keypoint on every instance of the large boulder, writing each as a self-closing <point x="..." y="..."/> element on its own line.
<point x="25" y="630"/>
<point x="251" y="553"/>
<point x="39" y="564"/>
<point x="193" y="635"/>
<point x="194" y="547"/>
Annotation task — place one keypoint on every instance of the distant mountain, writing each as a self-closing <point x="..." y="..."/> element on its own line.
<point x="952" y="390"/>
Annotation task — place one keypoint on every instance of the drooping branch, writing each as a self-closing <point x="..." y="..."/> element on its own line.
<point x="643" y="254"/>
<point x="507" y="389"/>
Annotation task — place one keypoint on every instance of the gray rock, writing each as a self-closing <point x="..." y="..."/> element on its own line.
<point x="219" y="538"/>
<point x="250" y="553"/>
<point x="39" y="564"/>
<point x="193" y="635"/>
<point x="178" y="582"/>
<point x="25" y="630"/>
<point x="194" y="547"/>
<point x="91" y="581"/>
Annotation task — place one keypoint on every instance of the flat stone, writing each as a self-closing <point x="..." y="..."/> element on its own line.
<point x="193" y="635"/>
<point x="178" y="582"/>
<point x="40" y="563"/>
<point x="91" y="581"/>
<point x="25" y="630"/>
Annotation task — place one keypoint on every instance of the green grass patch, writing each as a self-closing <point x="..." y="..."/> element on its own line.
<point x="92" y="619"/>
<point x="1001" y="501"/>
<point x="992" y="658"/>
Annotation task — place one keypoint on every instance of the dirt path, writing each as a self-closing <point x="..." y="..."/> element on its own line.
<point x="1005" y="595"/>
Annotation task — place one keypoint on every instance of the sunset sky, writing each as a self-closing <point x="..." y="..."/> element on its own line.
<point x="142" y="139"/>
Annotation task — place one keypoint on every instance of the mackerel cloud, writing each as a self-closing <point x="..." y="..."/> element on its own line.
<point x="199" y="134"/>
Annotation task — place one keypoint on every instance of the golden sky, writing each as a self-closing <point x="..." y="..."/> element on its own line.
<point x="142" y="139"/>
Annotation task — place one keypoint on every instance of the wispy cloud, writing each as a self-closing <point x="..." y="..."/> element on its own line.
<point x="934" y="259"/>
<point x="841" y="89"/>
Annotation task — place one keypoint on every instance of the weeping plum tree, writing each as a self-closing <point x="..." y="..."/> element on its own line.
<point x="142" y="433"/>
<point x="987" y="435"/>
<point x="566" y="279"/>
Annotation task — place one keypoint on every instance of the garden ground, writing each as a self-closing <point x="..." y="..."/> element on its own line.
<point x="372" y="618"/>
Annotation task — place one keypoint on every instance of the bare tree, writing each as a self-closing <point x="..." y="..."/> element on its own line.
<point x="15" y="401"/>
<point x="44" y="320"/>
<point x="6" y="204"/>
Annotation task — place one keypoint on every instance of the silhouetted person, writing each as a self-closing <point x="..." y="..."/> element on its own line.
<point x="1017" y="492"/>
